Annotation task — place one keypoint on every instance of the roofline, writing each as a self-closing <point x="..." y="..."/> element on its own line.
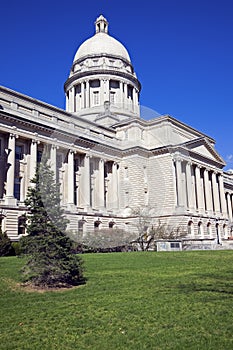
<point x="42" y="104"/>
<point x="161" y="119"/>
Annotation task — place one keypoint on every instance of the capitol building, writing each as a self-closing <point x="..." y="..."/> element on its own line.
<point x="108" y="160"/>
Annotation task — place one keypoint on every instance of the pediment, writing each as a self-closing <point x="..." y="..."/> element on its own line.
<point x="205" y="149"/>
<point x="107" y="119"/>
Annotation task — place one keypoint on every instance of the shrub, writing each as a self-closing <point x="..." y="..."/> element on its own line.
<point x="17" y="248"/>
<point x="5" y="245"/>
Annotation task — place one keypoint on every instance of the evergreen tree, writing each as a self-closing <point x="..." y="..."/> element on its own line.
<point x="5" y="245"/>
<point x="52" y="262"/>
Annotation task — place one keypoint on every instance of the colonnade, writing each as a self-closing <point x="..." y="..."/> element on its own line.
<point x="83" y="95"/>
<point x="91" y="184"/>
<point x="199" y="188"/>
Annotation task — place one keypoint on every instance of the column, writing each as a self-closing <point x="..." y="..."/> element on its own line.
<point x="121" y="95"/>
<point x="72" y="100"/>
<point x="53" y="160"/>
<point x="200" y="197"/>
<point x="134" y="100"/>
<point x="190" y="187"/>
<point x="193" y="186"/>
<point x="101" y="184"/>
<point x="222" y="195"/>
<point x="215" y="193"/>
<point x="231" y="201"/>
<point x="179" y="183"/>
<point x="10" y="169"/>
<point x="107" y="90"/>
<point x="229" y="207"/>
<point x="70" y="173"/>
<point x="114" y="186"/>
<point x="87" y="94"/>
<point x="207" y="191"/>
<point x="125" y="95"/>
<point x="82" y="96"/>
<point x="102" y="90"/>
<point x="85" y="190"/>
<point x="67" y="101"/>
<point x="33" y="158"/>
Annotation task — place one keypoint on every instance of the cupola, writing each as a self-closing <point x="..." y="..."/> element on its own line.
<point x="102" y="72"/>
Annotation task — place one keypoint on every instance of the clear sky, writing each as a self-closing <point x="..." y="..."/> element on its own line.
<point x="182" y="52"/>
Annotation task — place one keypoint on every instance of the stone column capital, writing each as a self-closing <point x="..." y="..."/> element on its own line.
<point x="72" y="151"/>
<point x="199" y="166"/>
<point x="35" y="141"/>
<point x="13" y="135"/>
<point x="54" y="146"/>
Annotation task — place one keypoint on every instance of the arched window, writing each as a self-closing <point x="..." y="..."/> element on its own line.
<point x="97" y="224"/>
<point x="2" y="217"/>
<point x="209" y="229"/>
<point x="200" y="229"/>
<point x="81" y="225"/>
<point x="111" y="224"/>
<point x="225" y="230"/>
<point x="218" y="233"/>
<point x="21" y="225"/>
<point x="190" y="228"/>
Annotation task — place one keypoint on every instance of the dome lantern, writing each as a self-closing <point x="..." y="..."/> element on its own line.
<point x="101" y="25"/>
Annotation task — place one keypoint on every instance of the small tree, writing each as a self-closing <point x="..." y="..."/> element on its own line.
<point x="5" y="245"/>
<point x="149" y="233"/>
<point x="52" y="262"/>
<point x="143" y="222"/>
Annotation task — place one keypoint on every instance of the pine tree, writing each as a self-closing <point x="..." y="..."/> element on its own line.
<point x="52" y="262"/>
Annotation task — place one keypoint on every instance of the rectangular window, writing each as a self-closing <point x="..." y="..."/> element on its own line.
<point x="18" y="152"/>
<point x="17" y="188"/>
<point x="175" y="245"/>
<point x="39" y="156"/>
<point x="59" y="161"/>
<point x="96" y="98"/>
<point x="112" y="97"/>
<point x="76" y="164"/>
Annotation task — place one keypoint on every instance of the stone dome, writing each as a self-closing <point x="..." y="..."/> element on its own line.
<point x="101" y="44"/>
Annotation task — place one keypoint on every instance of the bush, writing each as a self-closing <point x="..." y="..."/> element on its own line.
<point x="103" y="241"/>
<point x="16" y="248"/>
<point x="5" y="245"/>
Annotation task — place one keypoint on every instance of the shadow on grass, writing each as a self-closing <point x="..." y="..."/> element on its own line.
<point x="212" y="283"/>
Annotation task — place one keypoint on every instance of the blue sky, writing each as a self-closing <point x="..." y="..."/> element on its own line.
<point x="182" y="52"/>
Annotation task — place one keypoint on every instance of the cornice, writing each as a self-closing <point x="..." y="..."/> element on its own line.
<point x="54" y="112"/>
<point x="98" y="72"/>
<point x="118" y="57"/>
<point x="33" y="101"/>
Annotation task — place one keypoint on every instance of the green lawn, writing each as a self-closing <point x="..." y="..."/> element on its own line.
<point x="143" y="300"/>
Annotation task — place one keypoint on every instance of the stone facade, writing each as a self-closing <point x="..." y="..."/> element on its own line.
<point x="108" y="160"/>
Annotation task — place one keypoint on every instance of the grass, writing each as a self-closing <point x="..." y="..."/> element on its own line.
<point x="136" y="301"/>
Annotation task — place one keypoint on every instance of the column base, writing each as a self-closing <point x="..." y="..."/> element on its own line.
<point x="180" y="209"/>
<point x="71" y="207"/>
<point x="10" y="201"/>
